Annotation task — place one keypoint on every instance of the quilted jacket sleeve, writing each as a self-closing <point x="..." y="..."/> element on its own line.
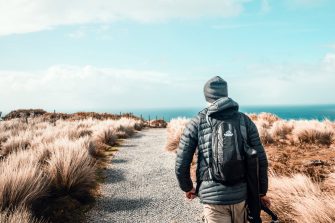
<point x="187" y="146"/>
<point x="255" y="142"/>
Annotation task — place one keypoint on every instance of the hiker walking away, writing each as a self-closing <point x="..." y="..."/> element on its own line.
<point x="221" y="170"/>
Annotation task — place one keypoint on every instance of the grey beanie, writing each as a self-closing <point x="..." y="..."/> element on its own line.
<point x="215" y="88"/>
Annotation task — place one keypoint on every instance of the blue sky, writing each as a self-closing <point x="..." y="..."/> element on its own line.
<point x="74" y="55"/>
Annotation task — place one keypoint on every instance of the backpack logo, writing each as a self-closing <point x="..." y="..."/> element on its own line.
<point x="228" y="134"/>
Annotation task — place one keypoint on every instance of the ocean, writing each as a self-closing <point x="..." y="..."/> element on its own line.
<point x="319" y="112"/>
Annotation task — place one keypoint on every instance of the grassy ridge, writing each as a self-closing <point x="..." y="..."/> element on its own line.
<point x="301" y="157"/>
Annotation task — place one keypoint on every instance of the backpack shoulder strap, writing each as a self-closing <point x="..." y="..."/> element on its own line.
<point x="243" y="128"/>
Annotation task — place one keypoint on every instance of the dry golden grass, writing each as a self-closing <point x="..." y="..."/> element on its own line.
<point x="50" y="116"/>
<point x="159" y="123"/>
<point x="21" y="180"/>
<point x="19" y="215"/>
<point x="71" y="170"/>
<point x="275" y="130"/>
<point x="298" y="199"/>
<point x="51" y="168"/>
<point x="174" y="129"/>
<point x="302" y="160"/>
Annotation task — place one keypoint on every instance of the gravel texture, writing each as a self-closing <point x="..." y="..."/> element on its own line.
<point x="141" y="185"/>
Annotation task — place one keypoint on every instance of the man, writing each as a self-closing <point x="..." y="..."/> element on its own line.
<point x="221" y="185"/>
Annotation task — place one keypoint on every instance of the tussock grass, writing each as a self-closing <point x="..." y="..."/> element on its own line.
<point x="314" y="132"/>
<point x="15" y="143"/>
<point x="298" y="199"/>
<point x="19" y="215"/>
<point x="175" y="129"/>
<point x="268" y="117"/>
<point x="299" y="194"/>
<point x="71" y="170"/>
<point x="51" y="168"/>
<point x="281" y="130"/>
<point x="46" y="116"/>
<point x="159" y="123"/>
<point x="21" y="181"/>
<point x="298" y="132"/>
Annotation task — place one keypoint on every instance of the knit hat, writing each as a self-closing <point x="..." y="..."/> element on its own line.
<point x="215" y="88"/>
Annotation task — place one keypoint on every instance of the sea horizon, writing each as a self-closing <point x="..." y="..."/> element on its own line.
<point x="308" y="112"/>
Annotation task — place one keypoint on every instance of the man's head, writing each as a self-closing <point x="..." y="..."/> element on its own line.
<point x="215" y="88"/>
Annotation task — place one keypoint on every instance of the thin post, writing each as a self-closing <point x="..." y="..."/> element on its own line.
<point x="54" y="119"/>
<point x="141" y="117"/>
<point x="156" y="117"/>
<point x="149" y="120"/>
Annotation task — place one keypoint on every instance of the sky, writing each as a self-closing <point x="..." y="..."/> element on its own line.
<point x="113" y="54"/>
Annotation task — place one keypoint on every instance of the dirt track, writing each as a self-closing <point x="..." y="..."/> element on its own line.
<point x="141" y="185"/>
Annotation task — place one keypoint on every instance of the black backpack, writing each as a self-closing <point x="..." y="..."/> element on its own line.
<point x="226" y="156"/>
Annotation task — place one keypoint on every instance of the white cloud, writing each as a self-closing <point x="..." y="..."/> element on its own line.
<point x="91" y="88"/>
<point x="288" y="83"/>
<point x="21" y="16"/>
<point x="72" y="88"/>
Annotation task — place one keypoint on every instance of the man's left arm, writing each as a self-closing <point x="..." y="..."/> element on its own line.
<point x="255" y="142"/>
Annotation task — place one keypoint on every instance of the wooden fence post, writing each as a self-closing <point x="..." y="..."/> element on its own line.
<point x="54" y="119"/>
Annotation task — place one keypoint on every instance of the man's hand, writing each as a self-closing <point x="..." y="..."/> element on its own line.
<point x="266" y="201"/>
<point x="191" y="194"/>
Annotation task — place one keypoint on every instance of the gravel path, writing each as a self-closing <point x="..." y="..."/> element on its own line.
<point x="141" y="185"/>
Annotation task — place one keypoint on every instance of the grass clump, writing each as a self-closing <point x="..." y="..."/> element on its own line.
<point x="302" y="160"/>
<point x="50" y="169"/>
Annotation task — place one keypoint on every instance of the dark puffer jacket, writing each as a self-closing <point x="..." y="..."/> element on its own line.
<point x="197" y="134"/>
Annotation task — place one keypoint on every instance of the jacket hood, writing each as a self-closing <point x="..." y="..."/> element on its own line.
<point x="222" y="104"/>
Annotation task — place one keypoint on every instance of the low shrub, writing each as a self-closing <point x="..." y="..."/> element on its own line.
<point x="270" y="118"/>
<point x="313" y="132"/>
<point x="50" y="168"/>
<point x="298" y="199"/>
<point x="22" y="183"/>
<point x="15" y="143"/>
<point x="175" y="129"/>
<point x="281" y="130"/>
<point x="71" y="170"/>
<point x="19" y="215"/>
<point x="295" y="198"/>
